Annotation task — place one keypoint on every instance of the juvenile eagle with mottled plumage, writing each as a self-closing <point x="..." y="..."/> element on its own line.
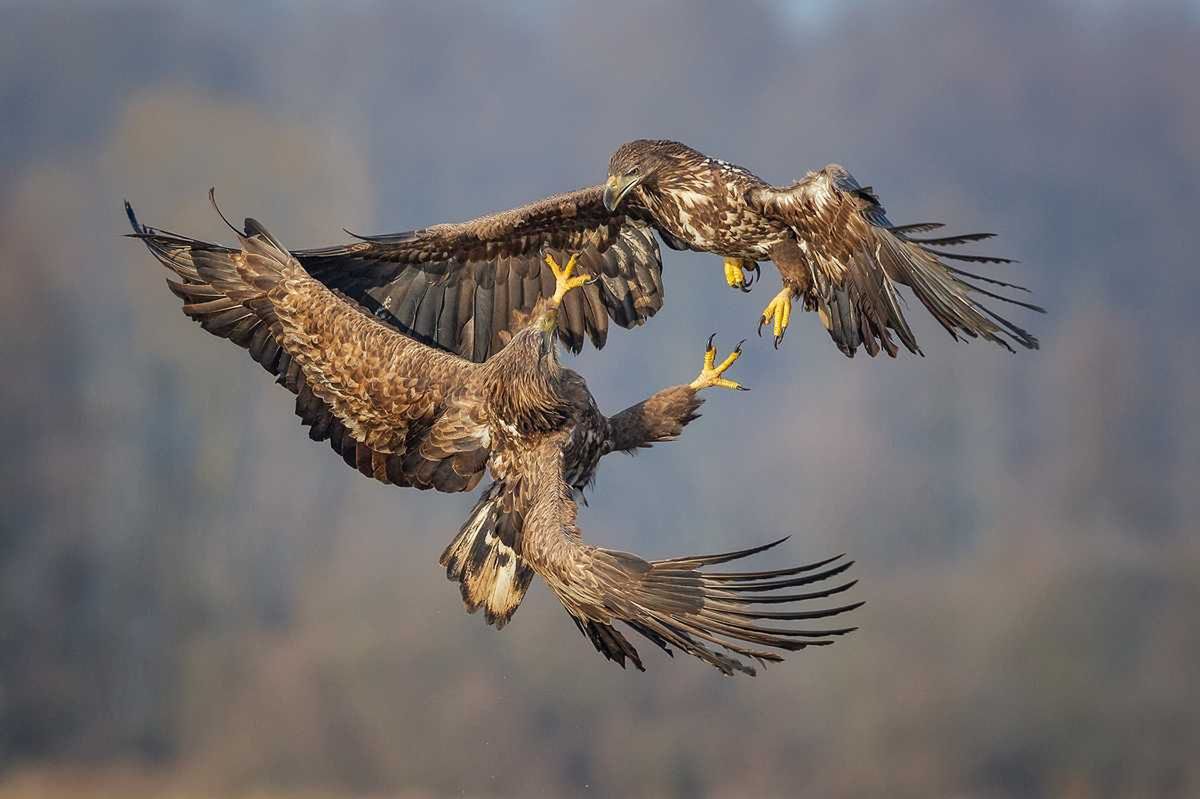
<point x="408" y="414"/>
<point x="460" y="286"/>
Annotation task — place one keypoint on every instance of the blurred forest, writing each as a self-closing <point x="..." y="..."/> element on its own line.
<point x="196" y="600"/>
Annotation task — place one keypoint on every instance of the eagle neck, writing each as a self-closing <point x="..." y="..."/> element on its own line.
<point x="525" y="385"/>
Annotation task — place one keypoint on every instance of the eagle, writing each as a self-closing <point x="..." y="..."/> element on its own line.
<point x="409" y="414"/>
<point x="460" y="286"/>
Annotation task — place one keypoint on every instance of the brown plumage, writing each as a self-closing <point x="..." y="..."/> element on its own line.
<point x="457" y="285"/>
<point x="829" y="237"/>
<point x="409" y="414"/>
<point x="461" y="286"/>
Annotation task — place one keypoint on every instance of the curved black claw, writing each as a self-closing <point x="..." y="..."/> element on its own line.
<point x="738" y="348"/>
<point x="756" y="273"/>
<point x="762" y="320"/>
<point x="744" y="288"/>
<point x="710" y="341"/>
<point x="778" y="340"/>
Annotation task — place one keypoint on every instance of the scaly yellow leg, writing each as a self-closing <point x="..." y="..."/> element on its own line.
<point x="711" y="375"/>
<point x="778" y="312"/>
<point x="735" y="273"/>
<point x="562" y="276"/>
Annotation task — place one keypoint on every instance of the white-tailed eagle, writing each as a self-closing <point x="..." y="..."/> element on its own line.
<point x="409" y="414"/>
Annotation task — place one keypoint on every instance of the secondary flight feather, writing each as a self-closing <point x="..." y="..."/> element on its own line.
<point x="409" y="414"/>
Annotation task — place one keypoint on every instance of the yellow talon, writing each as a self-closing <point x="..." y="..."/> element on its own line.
<point x="711" y="375"/>
<point x="562" y="276"/>
<point x="779" y="313"/>
<point x="735" y="269"/>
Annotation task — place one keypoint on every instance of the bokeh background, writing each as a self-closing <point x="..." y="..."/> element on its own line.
<point x="195" y="600"/>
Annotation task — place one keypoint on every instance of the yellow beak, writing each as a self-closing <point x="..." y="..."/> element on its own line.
<point x="617" y="187"/>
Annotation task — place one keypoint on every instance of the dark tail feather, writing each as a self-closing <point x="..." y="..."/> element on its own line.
<point x="484" y="558"/>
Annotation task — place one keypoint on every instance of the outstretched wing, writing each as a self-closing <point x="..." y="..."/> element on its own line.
<point x="855" y="256"/>
<point x="461" y="285"/>
<point x="674" y="603"/>
<point x="385" y="403"/>
<point x="660" y="417"/>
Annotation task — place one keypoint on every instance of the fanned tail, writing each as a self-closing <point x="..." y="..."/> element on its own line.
<point x="484" y="557"/>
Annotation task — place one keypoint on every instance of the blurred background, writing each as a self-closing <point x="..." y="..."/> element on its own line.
<point x="195" y="600"/>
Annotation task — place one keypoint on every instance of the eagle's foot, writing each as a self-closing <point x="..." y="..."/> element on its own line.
<point x="562" y="276"/>
<point x="740" y="273"/>
<point x="711" y="375"/>
<point x="778" y="312"/>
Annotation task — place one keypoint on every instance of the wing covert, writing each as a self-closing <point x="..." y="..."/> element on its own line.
<point x="386" y="404"/>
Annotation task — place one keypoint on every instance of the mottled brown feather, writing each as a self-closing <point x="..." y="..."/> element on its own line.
<point x="829" y="236"/>
<point x="406" y="413"/>
<point x="856" y="257"/>
<point x="376" y="395"/>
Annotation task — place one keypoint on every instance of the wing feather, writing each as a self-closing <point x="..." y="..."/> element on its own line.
<point x="387" y="404"/>
<point x="856" y="257"/>
<point x="674" y="603"/>
<point x="381" y="272"/>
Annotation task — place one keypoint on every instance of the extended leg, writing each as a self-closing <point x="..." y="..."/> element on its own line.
<point x="710" y="375"/>
<point x="796" y="274"/>
<point x="740" y="273"/>
<point x="562" y="276"/>
<point x="779" y="313"/>
<point x="663" y="416"/>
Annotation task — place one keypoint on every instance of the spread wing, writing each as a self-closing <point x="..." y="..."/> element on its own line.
<point x="660" y="417"/>
<point x="674" y="603"/>
<point x="856" y="256"/>
<point x="388" y="405"/>
<point x="461" y="285"/>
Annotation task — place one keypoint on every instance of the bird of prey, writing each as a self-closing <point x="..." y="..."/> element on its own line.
<point x="460" y="285"/>
<point x="409" y="414"/>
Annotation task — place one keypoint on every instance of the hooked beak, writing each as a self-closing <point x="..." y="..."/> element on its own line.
<point x="617" y="187"/>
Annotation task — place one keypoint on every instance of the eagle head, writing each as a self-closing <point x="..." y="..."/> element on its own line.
<point x="640" y="163"/>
